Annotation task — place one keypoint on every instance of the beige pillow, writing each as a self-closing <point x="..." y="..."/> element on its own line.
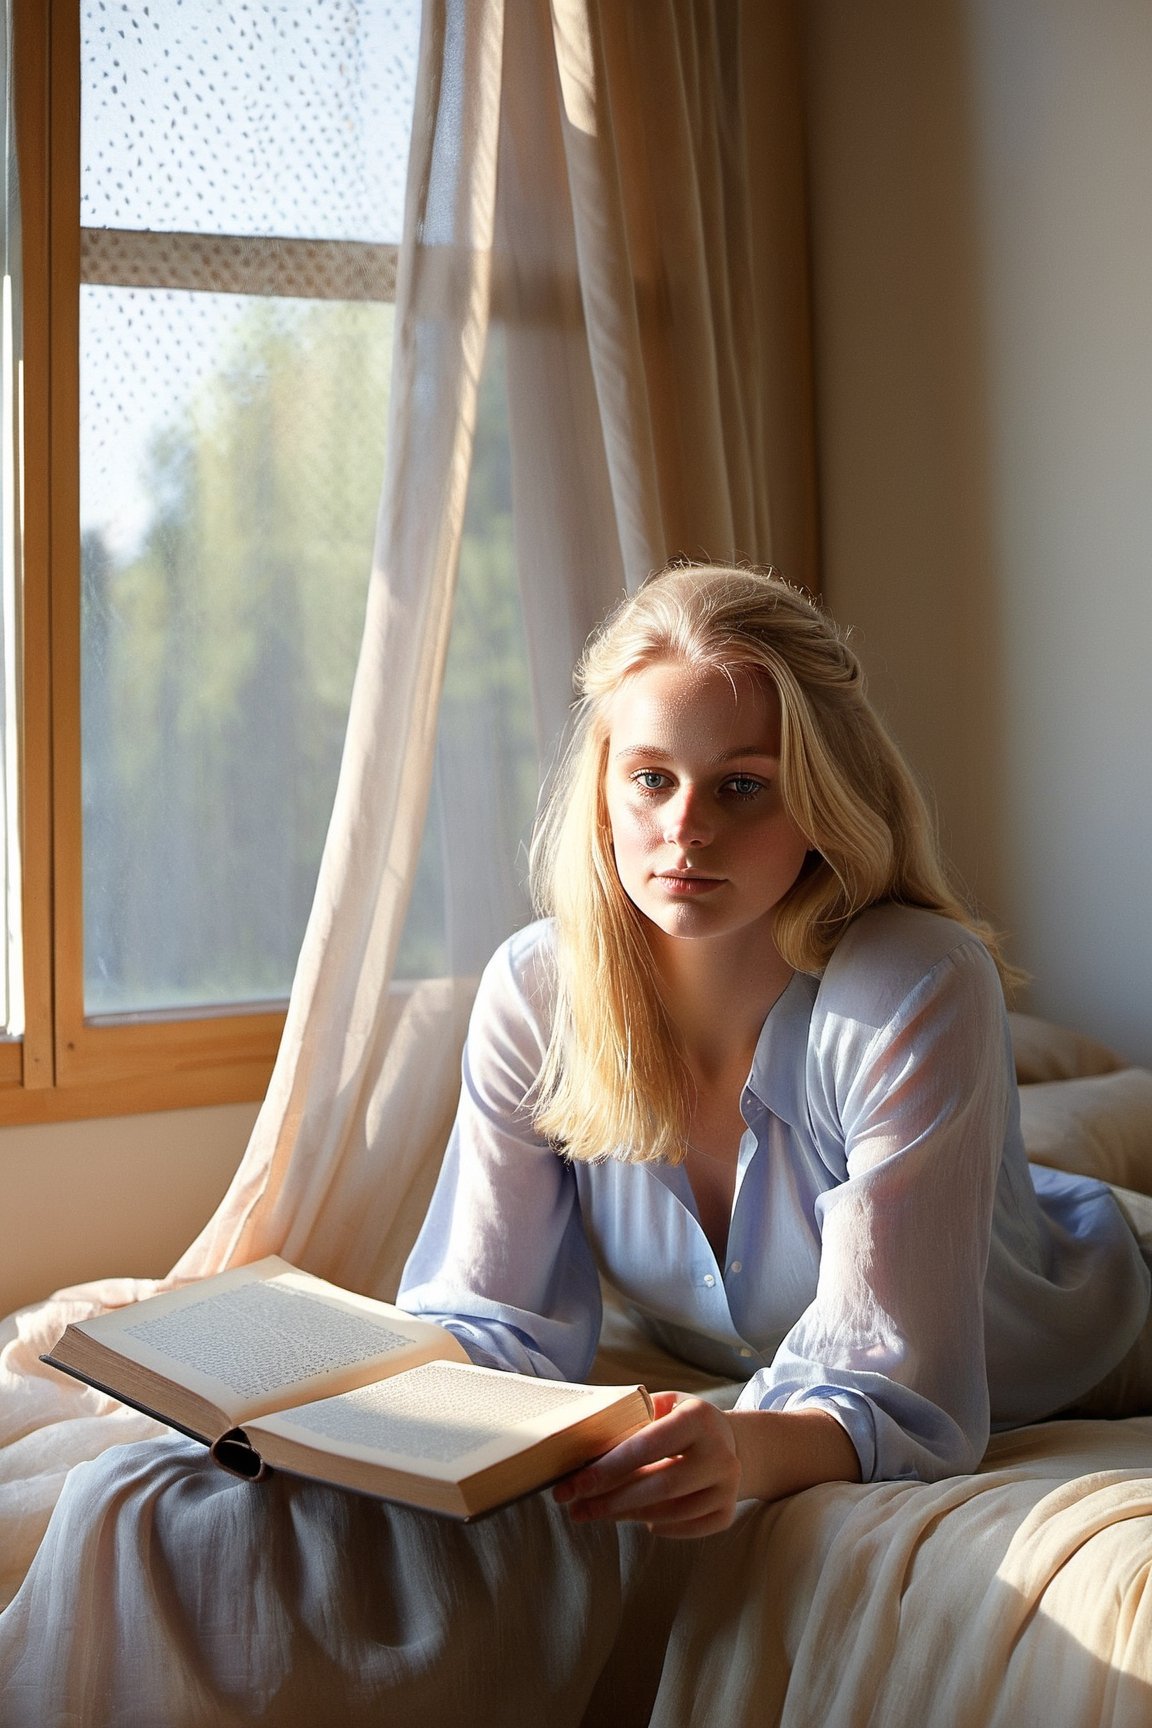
<point x="1099" y="1125"/>
<point x="1045" y="1051"/>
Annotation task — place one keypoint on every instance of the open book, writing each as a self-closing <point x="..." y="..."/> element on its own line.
<point x="271" y="1367"/>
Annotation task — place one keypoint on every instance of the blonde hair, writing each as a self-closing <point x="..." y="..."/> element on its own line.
<point x="613" y="1083"/>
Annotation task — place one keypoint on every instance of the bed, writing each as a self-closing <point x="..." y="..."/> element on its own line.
<point x="1018" y="1595"/>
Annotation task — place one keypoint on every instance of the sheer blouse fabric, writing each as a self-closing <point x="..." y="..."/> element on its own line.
<point x="892" y="1258"/>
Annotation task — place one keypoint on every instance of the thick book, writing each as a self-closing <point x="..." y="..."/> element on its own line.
<point x="274" y="1369"/>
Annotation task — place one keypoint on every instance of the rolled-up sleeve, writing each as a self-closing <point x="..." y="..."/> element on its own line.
<point x="502" y="1260"/>
<point x="893" y="1343"/>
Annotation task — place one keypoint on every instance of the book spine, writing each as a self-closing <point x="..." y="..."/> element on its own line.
<point x="235" y="1453"/>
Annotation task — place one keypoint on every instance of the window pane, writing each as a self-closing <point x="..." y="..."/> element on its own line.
<point x="11" y="962"/>
<point x="254" y="117"/>
<point x="231" y="459"/>
<point x="11" y="967"/>
<point x="471" y="882"/>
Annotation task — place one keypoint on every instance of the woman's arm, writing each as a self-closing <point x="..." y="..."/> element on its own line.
<point x="911" y="1092"/>
<point x="685" y="1474"/>
<point x="502" y="1259"/>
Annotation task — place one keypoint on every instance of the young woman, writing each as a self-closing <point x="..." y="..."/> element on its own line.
<point x="755" y="1069"/>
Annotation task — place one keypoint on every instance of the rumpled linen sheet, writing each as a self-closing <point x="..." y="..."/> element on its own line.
<point x="168" y="1593"/>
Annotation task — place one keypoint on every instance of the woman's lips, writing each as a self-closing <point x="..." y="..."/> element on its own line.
<point x="684" y="886"/>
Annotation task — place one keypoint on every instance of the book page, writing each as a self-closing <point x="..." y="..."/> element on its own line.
<point x="251" y="1338"/>
<point x="437" y="1413"/>
<point x="444" y="1420"/>
<point x="265" y="1335"/>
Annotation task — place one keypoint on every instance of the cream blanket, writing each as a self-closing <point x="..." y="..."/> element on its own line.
<point x="167" y="1593"/>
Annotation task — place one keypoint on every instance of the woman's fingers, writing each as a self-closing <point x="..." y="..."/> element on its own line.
<point x="679" y="1472"/>
<point x="657" y="1441"/>
<point x="656" y="1444"/>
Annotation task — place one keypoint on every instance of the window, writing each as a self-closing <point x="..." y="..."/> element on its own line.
<point x="211" y="195"/>
<point x="11" y="959"/>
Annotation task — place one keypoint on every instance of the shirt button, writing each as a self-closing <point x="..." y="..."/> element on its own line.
<point x="708" y="1280"/>
<point x="745" y="1352"/>
<point x="736" y="1266"/>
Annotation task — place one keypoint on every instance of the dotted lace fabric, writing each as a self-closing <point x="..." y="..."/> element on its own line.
<point x="242" y="187"/>
<point x="250" y="117"/>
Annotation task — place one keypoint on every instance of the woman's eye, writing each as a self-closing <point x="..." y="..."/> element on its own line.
<point x="650" y="780"/>
<point x="744" y="786"/>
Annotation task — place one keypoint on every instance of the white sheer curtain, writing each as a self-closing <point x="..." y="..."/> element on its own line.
<point x="616" y="192"/>
<point x="653" y="273"/>
<point x="585" y="176"/>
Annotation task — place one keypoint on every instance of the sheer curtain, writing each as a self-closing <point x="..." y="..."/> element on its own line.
<point x="654" y="276"/>
<point x="601" y="183"/>
<point x="607" y="200"/>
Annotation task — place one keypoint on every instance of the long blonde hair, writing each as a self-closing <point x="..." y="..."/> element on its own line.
<point x="613" y="1082"/>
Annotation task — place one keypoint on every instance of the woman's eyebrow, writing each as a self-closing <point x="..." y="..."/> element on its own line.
<point x="740" y="754"/>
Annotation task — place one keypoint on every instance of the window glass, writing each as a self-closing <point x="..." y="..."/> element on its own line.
<point x="11" y="969"/>
<point x="255" y="117"/>
<point x="233" y="408"/>
<point x="230" y="481"/>
<point x="471" y="882"/>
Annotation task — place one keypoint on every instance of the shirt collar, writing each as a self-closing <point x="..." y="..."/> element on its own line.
<point x="778" y="1078"/>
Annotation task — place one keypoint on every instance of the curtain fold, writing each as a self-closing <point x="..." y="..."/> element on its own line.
<point x="653" y="274"/>
<point x="617" y="189"/>
<point x="583" y="174"/>
<point x="325" y="1150"/>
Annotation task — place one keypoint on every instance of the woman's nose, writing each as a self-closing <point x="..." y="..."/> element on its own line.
<point x="686" y="822"/>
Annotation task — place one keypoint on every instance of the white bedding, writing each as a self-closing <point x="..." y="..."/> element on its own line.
<point x="1013" y="1597"/>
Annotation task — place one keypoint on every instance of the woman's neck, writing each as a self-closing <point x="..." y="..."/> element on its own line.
<point x="718" y="995"/>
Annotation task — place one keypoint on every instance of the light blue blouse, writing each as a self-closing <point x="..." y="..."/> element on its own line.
<point x="891" y="1258"/>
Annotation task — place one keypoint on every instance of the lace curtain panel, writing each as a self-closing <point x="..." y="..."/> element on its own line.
<point x="554" y="155"/>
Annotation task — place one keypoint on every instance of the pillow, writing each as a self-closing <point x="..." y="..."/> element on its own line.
<point x="1045" y="1051"/>
<point x="1098" y="1125"/>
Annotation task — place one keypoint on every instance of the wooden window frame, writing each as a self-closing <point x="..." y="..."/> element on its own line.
<point x="68" y="1065"/>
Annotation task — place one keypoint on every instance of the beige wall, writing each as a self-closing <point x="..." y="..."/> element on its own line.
<point x="117" y="1197"/>
<point x="982" y="248"/>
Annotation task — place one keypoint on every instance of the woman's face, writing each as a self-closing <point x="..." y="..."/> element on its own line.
<point x="703" y="844"/>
